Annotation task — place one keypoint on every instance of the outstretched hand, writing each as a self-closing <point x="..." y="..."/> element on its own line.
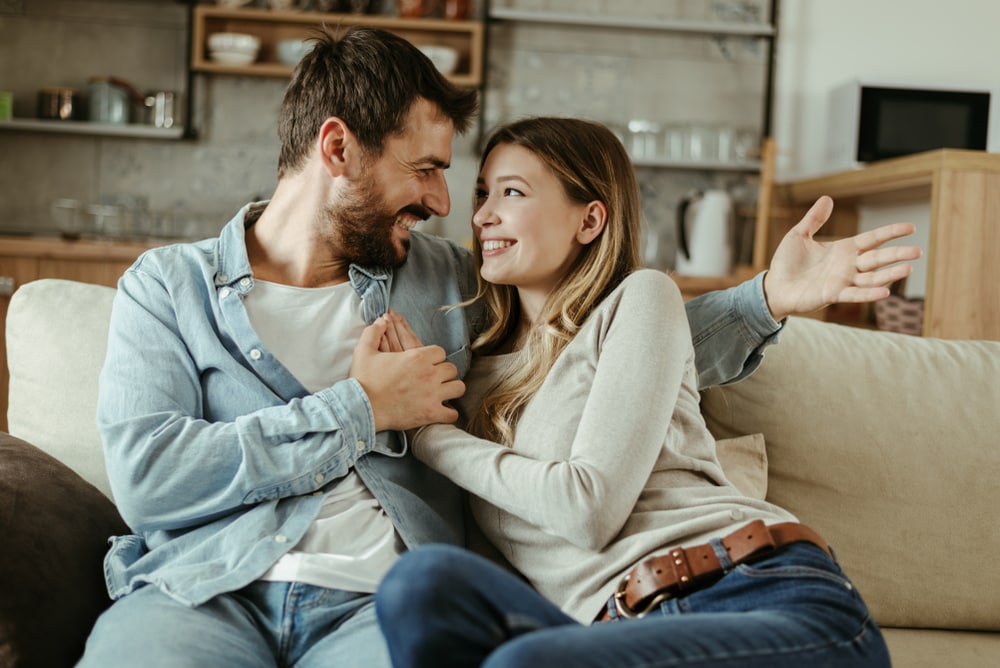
<point x="409" y="388"/>
<point x="806" y="275"/>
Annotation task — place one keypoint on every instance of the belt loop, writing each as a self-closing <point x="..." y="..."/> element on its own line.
<point x="722" y="554"/>
<point x="610" y="610"/>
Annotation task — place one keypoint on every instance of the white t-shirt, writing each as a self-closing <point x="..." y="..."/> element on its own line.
<point x="313" y="332"/>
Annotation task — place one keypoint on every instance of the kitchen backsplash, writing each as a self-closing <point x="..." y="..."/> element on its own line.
<point x="190" y="188"/>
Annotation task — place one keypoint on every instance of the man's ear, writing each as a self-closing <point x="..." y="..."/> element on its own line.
<point x="595" y="216"/>
<point x="335" y="140"/>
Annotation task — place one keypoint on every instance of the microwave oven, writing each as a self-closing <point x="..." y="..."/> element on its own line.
<point x="874" y="121"/>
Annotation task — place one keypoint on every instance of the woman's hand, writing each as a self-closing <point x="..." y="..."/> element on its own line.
<point x="398" y="335"/>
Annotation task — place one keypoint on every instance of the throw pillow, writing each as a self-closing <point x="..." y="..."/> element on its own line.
<point x="55" y="527"/>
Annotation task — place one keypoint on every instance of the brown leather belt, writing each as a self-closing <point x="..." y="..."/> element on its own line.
<point x="683" y="570"/>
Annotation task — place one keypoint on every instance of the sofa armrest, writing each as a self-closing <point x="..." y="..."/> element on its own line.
<point x="55" y="527"/>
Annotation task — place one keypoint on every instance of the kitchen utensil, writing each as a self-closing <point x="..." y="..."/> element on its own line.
<point x="110" y="100"/>
<point x="444" y="58"/>
<point x="291" y="51"/>
<point x="64" y="104"/>
<point x="233" y="48"/>
<point x="644" y="138"/>
<point x="457" y="10"/>
<point x="416" y="9"/>
<point x="160" y="108"/>
<point x="6" y="105"/>
<point x="704" y="234"/>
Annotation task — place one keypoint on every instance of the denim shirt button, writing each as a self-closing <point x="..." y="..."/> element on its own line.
<point x="360" y="445"/>
<point x="318" y="477"/>
<point x="244" y="281"/>
<point x="255" y="354"/>
<point x="280" y="539"/>
<point x="224" y="292"/>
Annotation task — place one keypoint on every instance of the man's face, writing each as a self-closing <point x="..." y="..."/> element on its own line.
<point x="371" y="222"/>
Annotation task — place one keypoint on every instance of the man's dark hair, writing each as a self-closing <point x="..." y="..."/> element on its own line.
<point x="370" y="78"/>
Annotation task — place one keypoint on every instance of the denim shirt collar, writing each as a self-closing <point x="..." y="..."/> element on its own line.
<point x="371" y="283"/>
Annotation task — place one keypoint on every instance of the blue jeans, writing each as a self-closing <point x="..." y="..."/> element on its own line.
<point x="266" y="624"/>
<point x="440" y="606"/>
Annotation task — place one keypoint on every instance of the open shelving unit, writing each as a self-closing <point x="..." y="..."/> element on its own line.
<point x="273" y="26"/>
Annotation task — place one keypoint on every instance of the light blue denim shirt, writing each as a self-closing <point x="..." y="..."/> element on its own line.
<point x="218" y="457"/>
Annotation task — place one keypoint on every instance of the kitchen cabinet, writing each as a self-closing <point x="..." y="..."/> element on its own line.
<point x="24" y="259"/>
<point x="272" y="26"/>
<point x="962" y="294"/>
<point x="613" y="37"/>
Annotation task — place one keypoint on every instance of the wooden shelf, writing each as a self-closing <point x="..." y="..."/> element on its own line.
<point x="91" y="128"/>
<point x="273" y="26"/>
<point x="963" y="254"/>
<point x="632" y="23"/>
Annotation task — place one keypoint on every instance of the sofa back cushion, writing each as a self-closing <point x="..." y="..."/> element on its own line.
<point x="889" y="446"/>
<point x="57" y="333"/>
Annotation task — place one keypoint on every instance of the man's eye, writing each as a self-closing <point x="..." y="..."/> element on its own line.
<point x="479" y="195"/>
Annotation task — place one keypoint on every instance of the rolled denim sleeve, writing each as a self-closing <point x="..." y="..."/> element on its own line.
<point x="730" y="329"/>
<point x="177" y="455"/>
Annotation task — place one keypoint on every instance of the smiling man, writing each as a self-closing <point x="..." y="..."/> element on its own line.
<point x="252" y="428"/>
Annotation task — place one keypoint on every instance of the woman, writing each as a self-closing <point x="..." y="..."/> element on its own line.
<point x="577" y="480"/>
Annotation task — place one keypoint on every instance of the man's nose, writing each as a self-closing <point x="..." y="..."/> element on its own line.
<point x="437" y="199"/>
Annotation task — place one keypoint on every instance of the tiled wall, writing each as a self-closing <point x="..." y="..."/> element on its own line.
<point x="191" y="187"/>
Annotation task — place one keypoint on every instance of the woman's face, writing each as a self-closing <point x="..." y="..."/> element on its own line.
<point x="529" y="230"/>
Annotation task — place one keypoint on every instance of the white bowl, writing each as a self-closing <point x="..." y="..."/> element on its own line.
<point x="444" y="58"/>
<point x="233" y="57"/>
<point x="291" y="51"/>
<point x="234" y="42"/>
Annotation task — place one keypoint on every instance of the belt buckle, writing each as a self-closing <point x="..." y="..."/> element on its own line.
<point x="626" y="612"/>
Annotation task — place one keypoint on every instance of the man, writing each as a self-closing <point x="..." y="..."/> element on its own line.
<point x="253" y="436"/>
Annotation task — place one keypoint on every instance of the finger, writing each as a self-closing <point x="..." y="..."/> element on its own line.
<point x="815" y="217"/>
<point x="881" y="235"/>
<point x="881" y="257"/>
<point x="371" y="336"/>
<point x="407" y="336"/>
<point x="883" y="277"/>
<point x="391" y="336"/>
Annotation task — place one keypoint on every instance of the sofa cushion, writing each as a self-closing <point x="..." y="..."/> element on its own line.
<point x="54" y="405"/>
<point x="744" y="461"/>
<point x="55" y="527"/>
<point x="887" y="444"/>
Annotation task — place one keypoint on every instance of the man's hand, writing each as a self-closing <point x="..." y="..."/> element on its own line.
<point x="406" y="389"/>
<point x="806" y="275"/>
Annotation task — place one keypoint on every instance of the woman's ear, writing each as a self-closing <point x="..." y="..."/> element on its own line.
<point x="595" y="216"/>
<point x="334" y="139"/>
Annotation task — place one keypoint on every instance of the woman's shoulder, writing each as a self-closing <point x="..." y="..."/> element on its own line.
<point x="647" y="284"/>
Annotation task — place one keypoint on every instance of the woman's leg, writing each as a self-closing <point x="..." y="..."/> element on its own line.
<point x="791" y="610"/>
<point x="442" y="606"/>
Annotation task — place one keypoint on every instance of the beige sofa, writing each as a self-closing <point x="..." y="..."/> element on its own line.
<point x="889" y="445"/>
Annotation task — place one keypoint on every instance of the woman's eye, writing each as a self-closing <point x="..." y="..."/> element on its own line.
<point x="512" y="192"/>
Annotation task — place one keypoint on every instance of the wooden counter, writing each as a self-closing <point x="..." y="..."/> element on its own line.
<point x="24" y="259"/>
<point x="962" y="298"/>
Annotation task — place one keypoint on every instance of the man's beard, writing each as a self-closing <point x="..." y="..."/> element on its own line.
<point x="363" y="231"/>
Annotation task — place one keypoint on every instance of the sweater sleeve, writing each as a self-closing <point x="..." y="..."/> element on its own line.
<point x="639" y="352"/>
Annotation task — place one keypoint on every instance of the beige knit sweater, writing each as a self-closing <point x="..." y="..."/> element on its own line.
<point x="612" y="461"/>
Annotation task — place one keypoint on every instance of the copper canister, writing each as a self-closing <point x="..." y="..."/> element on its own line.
<point x="64" y="104"/>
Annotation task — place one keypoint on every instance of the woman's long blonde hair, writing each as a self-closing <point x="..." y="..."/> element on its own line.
<point x="591" y="163"/>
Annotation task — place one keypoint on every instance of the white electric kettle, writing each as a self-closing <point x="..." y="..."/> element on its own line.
<point x="705" y="234"/>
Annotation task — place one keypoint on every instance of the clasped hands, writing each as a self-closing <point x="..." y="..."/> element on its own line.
<point x="407" y="383"/>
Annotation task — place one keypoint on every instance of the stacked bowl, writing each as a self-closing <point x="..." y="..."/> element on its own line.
<point x="233" y="48"/>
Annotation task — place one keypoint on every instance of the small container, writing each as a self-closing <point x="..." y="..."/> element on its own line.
<point x="160" y="108"/>
<point x="6" y="105"/>
<point x="110" y="101"/>
<point x="61" y="104"/>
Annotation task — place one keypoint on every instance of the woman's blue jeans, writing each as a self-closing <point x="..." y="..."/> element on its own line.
<point x="440" y="606"/>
